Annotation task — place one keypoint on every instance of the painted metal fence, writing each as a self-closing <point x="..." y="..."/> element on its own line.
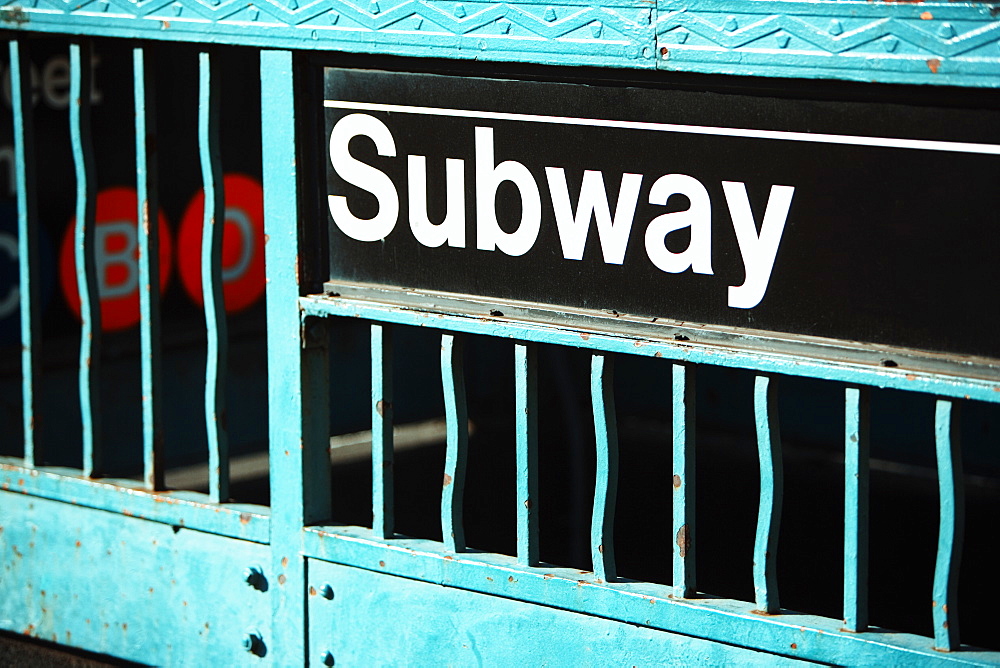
<point x="132" y="569"/>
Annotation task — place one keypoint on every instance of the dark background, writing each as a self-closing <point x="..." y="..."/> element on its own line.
<point x="890" y="246"/>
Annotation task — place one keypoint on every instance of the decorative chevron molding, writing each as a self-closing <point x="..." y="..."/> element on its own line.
<point x="831" y="36"/>
<point x="931" y="42"/>
<point x="918" y="43"/>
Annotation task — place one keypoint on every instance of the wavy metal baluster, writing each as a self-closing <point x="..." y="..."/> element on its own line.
<point x="602" y="523"/>
<point x="27" y="241"/>
<point x="211" y="280"/>
<point x="149" y="268"/>
<point x="526" y="424"/>
<point x="765" y="551"/>
<point x="456" y="453"/>
<point x="951" y="532"/>
<point x="80" y="74"/>
<point x="383" y="510"/>
<point x="856" y="427"/>
<point x="683" y="481"/>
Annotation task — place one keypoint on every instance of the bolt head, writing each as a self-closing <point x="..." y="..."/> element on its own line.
<point x="326" y="592"/>
<point x="253" y="643"/>
<point x="327" y="658"/>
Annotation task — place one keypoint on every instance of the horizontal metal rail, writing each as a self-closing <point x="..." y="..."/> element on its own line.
<point x="181" y="509"/>
<point x="723" y="620"/>
<point x="933" y="43"/>
<point x="899" y="378"/>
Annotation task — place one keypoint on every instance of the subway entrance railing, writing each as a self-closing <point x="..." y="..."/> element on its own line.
<point x="458" y="255"/>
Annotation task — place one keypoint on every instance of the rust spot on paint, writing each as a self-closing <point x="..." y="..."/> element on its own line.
<point x="488" y="578"/>
<point x="527" y="503"/>
<point x="944" y="608"/>
<point x="511" y="579"/>
<point x="933" y="64"/>
<point x="448" y="557"/>
<point x="312" y="591"/>
<point x="381" y="564"/>
<point x="548" y="576"/>
<point x="658" y="354"/>
<point x="28" y="631"/>
<point x="267" y="237"/>
<point x="244" y="518"/>
<point x="584" y="336"/>
<point x="927" y="16"/>
<point x="124" y="626"/>
<point x="911" y="376"/>
<point x="447" y="480"/>
<point x="683" y="541"/>
<point x="794" y="646"/>
<point x="281" y="579"/>
<point x="945" y="624"/>
<point x="677" y="481"/>
<point x="284" y="562"/>
<point x="381" y="406"/>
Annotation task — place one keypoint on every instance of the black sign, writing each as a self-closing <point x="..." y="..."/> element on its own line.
<point x="855" y="221"/>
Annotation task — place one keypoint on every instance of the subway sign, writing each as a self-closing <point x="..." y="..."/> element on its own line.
<point x="861" y="221"/>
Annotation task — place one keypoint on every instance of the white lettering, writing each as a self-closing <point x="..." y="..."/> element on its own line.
<point x="363" y="176"/>
<point x="452" y="229"/>
<point x="55" y="83"/>
<point x="9" y="303"/>
<point x="489" y="235"/>
<point x="7" y="160"/>
<point x="125" y="257"/>
<point x="239" y="219"/>
<point x="593" y="203"/>
<point x="698" y="216"/>
<point x="759" y="251"/>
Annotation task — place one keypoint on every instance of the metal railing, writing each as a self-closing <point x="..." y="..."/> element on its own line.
<point x="297" y="526"/>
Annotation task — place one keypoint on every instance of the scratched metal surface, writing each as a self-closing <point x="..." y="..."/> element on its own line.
<point x="937" y="43"/>
<point x="125" y="587"/>
<point x="363" y="623"/>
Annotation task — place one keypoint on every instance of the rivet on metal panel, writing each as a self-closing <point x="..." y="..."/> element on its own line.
<point x="326" y="591"/>
<point x="253" y="642"/>
<point x="327" y="658"/>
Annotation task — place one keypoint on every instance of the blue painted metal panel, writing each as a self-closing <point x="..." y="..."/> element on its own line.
<point x="378" y="619"/>
<point x="900" y="378"/>
<point x="129" y="498"/>
<point x="133" y="589"/>
<point x="936" y="43"/>
<point x="721" y="620"/>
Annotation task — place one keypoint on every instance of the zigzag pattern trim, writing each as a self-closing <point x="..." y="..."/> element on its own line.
<point x="542" y="21"/>
<point x="817" y="38"/>
<point x="939" y="38"/>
